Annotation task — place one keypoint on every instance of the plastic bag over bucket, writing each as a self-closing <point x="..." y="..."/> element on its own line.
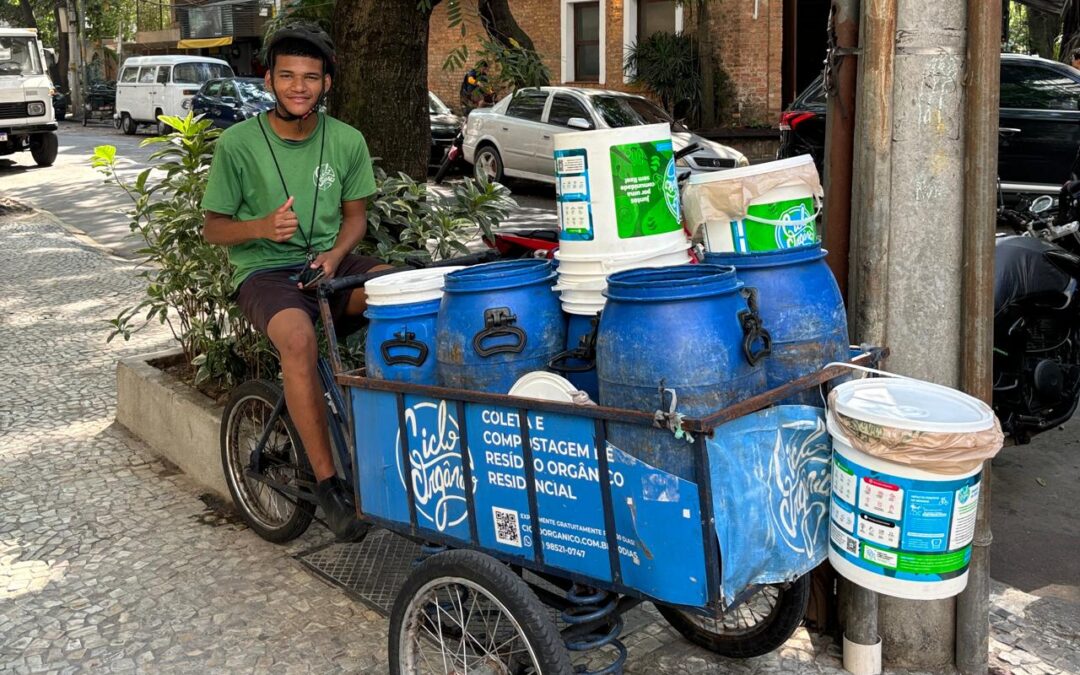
<point x="770" y="480"/>
<point x="918" y="424"/>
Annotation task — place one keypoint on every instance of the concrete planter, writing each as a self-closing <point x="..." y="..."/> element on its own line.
<point x="178" y="422"/>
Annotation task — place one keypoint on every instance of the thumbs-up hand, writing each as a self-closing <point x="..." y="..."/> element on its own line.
<point x="282" y="223"/>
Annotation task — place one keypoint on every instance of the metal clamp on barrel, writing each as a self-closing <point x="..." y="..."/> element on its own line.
<point x="404" y="340"/>
<point x="753" y="329"/>
<point x="499" y="322"/>
<point x="585" y="352"/>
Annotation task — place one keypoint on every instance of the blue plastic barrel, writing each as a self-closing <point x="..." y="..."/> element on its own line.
<point x="497" y="322"/>
<point x="578" y="362"/>
<point x="400" y="342"/>
<point x="801" y="306"/>
<point x="688" y="329"/>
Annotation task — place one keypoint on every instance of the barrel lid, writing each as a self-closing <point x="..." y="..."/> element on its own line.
<point x="752" y="170"/>
<point x="912" y="404"/>
<point x="544" y="386"/>
<point x="407" y="287"/>
<point x="679" y="282"/>
<point x="778" y="258"/>
<point x="499" y="275"/>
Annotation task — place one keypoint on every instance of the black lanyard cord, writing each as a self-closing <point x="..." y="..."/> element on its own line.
<point x="318" y="183"/>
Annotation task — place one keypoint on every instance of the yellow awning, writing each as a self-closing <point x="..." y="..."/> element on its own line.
<point x="204" y="43"/>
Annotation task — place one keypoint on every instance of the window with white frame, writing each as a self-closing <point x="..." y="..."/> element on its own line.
<point x="642" y="18"/>
<point x="583" y="40"/>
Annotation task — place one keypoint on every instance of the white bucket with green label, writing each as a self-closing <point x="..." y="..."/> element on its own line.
<point x="616" y="191"/>
<point x="896" y="529"/>
<point x="754" y="209"/>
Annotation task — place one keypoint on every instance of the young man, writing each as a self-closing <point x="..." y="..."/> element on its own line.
<point x="286" y="193"/>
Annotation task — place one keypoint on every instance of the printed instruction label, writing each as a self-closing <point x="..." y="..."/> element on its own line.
<point x="916" y="530"/>
<point x="572" y="195"/>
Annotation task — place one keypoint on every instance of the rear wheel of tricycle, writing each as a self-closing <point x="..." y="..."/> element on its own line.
<point x="758" y="626"/>
<point x="465" y="612"/>
<point x="274" y="516"/>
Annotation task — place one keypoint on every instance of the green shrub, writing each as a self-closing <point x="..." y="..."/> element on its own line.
<point x="667" y="65"/>
<point x="188" y="280"/>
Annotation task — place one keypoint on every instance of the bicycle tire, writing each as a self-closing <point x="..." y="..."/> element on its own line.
<point x="286" y="456"/>
<point x="502" y="590"/>
<point x="768" y="634"/>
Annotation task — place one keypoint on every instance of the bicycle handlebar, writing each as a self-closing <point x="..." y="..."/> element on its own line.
<point x="328" y="288"/>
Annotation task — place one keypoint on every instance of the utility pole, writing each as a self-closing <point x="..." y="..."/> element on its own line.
<point x="69" y="24"/>
<point x="908" y="238"/>
<point x="980" y="201"/>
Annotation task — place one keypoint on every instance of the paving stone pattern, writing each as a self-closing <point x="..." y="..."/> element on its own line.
<point x="109" y="561"/>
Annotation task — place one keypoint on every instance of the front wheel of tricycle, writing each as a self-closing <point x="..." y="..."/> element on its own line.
<point x="465" y="612"/>
<point x="758" y="626"/>
<point x="272" y="515"/>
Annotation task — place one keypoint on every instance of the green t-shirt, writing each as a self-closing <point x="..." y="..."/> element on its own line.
<point x="244" y="183"/>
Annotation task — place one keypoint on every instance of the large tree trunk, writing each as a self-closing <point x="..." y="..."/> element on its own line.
<point x="27" y="12"/>
<point x="381" y="83"/>
<point x="63" y="55"/>
<point x="1042" y="31"/>
<point x="1070" y="30"/>
<point x="499" y="23"/>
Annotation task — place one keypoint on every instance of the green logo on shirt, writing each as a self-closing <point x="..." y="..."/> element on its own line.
<point x="324" y="177"/>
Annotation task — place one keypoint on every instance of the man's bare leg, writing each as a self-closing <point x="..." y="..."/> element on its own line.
<point x="293" y="335"/>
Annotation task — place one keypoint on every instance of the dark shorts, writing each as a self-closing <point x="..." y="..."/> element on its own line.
<point x="265" y="293"/>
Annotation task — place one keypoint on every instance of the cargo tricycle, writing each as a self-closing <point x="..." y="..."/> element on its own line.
<point x="537" y="534"/>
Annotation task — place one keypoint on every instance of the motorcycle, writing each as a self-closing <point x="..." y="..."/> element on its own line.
<point x="1037" y="313"/>
<point x="61" y="101"/>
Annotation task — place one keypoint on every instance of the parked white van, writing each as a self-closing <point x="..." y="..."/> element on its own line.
<point x="161" y="85"/>
<point x="26" y="112"/>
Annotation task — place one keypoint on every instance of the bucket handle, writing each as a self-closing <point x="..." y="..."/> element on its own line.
<point x="404" y="340"/>
<point x="498" y="322"/>
<point x="753" y="330"/>
<point x="584" y="352"/>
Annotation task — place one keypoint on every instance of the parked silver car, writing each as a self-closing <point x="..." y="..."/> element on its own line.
<point x="515" y="137"/>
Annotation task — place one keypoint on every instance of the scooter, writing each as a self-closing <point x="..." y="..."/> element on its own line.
<point x="1037" y="314"/>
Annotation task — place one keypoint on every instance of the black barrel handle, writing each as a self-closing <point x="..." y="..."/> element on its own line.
<point x="753" y="330"/>
<point x="584" y="352"/>
<point x="498" y="323"/>
<point x="404" y="340"/>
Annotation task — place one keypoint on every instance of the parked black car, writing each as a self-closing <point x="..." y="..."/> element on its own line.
<point x="229" y="100"/>
<point x="445" y="126"/>
<point x="1040" y="123"/>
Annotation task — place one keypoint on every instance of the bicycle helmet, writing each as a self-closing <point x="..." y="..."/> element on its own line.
<point x="310" y="33"/>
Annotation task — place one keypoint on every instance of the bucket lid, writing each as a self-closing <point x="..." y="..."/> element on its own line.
<point x="912" y="404"/>
<point x="681" y="282"/>
<point x="778" y="258"/>
<point x="499" y="275"/>
<point x="544" y="386"/>
<point x="752" y="170"/>
<point x="407" y="286"/>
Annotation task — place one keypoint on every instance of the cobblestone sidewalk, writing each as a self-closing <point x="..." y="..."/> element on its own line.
<point x="109" y="561"/>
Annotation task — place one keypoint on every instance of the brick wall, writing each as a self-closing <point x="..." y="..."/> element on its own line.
<point x="749" y="49"/>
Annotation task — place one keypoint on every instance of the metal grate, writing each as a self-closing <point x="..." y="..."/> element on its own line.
<point x="715" y="162"/>
<point x="372" y="571"/>
<point x="15" y="110"/>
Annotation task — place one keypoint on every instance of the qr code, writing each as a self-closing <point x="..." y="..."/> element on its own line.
<point x="507" y="530"/>
<point x="852" y="546"/>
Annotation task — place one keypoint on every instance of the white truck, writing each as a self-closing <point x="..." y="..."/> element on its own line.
<point x="27" y="120"/>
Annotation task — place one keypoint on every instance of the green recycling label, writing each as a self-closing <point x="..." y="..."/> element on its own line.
<point x="752" y="236"/>
<point x="645" y="190"/>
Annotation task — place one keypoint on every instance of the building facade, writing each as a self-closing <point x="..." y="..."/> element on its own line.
<point x="770" y="49"/>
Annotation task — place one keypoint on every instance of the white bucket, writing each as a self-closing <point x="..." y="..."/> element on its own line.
<point x="407" y="287"/>
<point x="895" y="529"/>
<point x="616" y="191"/>
<point x="583" y="308"/>
<point x="675" y="254"/>
<point x="781" y="217"/>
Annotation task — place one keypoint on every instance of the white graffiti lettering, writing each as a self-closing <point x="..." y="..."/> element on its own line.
<point x="799" y="489"/>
